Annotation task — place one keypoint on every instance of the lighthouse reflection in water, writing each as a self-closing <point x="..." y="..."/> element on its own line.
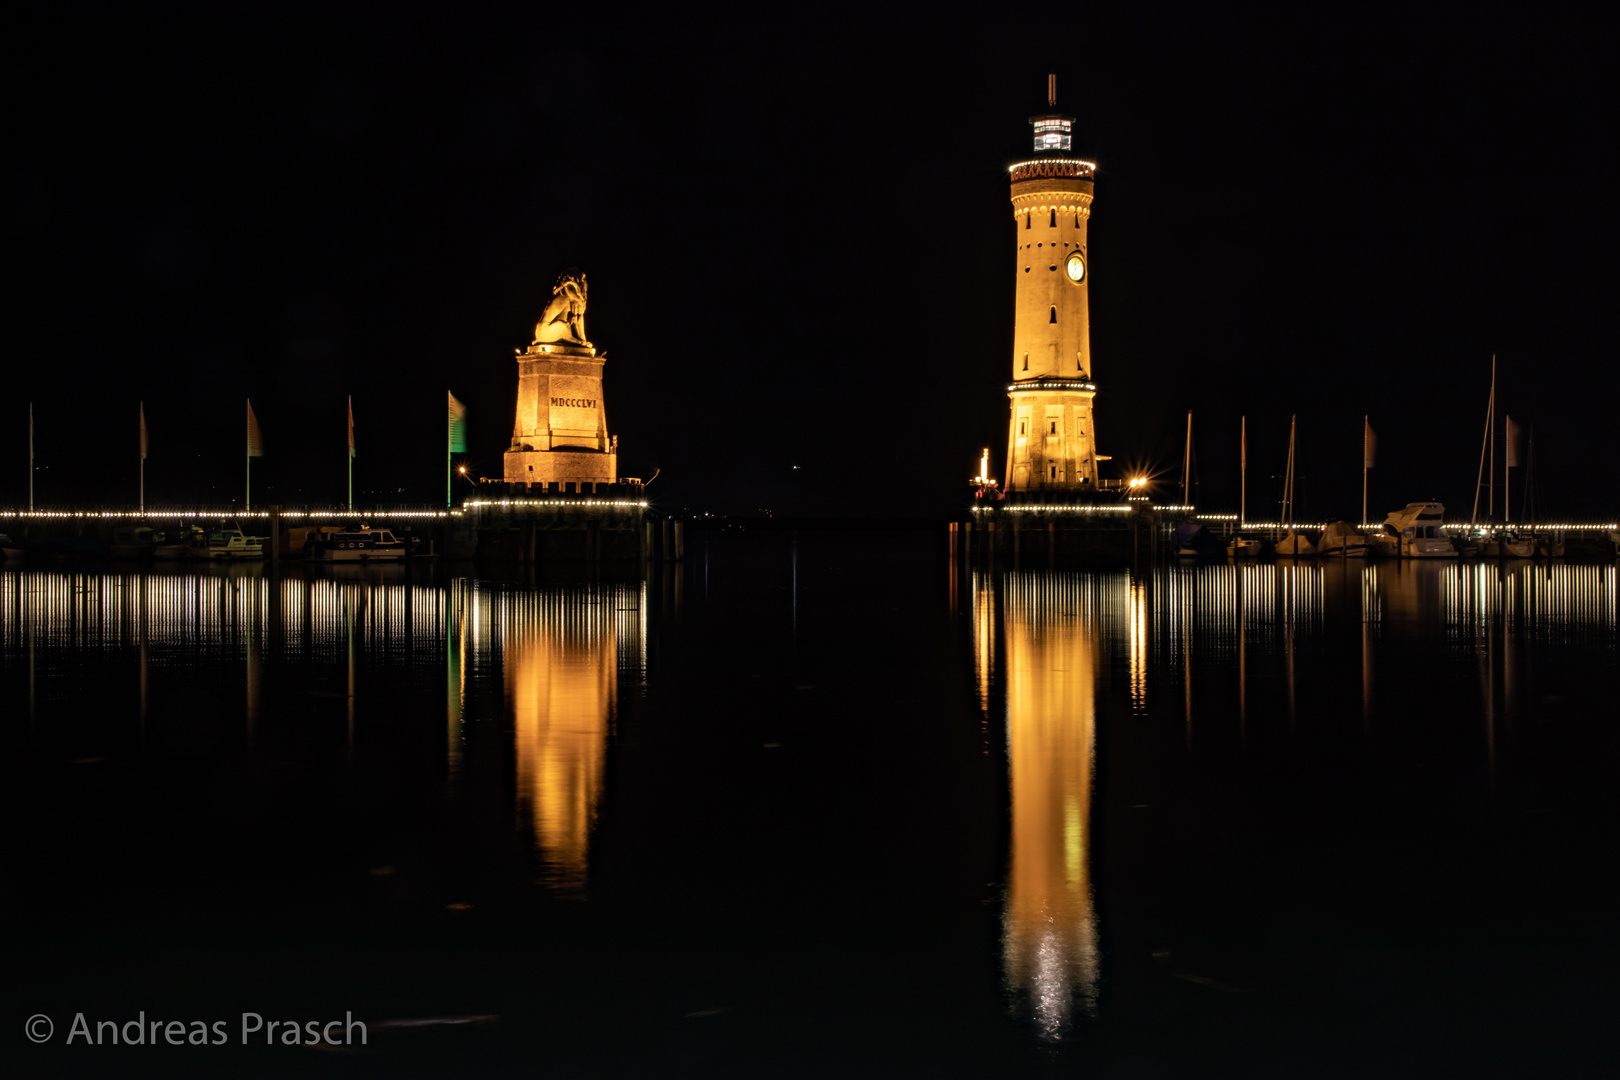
<point x="1279" y="655"/>
<point x="1046" y="663"/>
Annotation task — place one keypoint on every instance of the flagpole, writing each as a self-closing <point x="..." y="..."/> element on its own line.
<point x="1507" y="477"/>
<point x="1243" y="472"/>
<point x="142" y="408"/>
<point x="1366" y="424"/>
<point x="351" y="453"/>
<point x="30" y="457"/>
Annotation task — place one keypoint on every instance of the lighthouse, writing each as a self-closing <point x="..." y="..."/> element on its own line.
<point x="1051" y="434"/>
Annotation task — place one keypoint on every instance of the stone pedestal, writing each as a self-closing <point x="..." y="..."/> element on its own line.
<point x="560" y="435"/>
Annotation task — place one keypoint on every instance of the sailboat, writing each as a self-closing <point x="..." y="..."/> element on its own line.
<point x="1192" y="540"/>
<point x="1240" y="546"/>
<point x="1340" y="537"/>
<point x="1343" y="539"/>
<point x="1548" y="545"/>
<point x="1499" y="541"/>
<point x="1293" y="545"/>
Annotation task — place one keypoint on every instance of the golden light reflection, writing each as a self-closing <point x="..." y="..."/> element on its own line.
<point x="562" y="653"/>
<point x="1049" y="664"/>
<point x="1139" y="643"/>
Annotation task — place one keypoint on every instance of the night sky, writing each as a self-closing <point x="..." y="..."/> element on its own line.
<point x="800" y="250"/>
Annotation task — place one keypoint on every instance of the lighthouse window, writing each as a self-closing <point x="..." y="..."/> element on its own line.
<point x="1026" y="361"/>
<point x="1026" y="221"/>
<point x="1054" y="472"/>
<point x="1053" y="319"/>
<point x="1053" y="222"/>
<point x="1054" y="427"/>
<point x="1020" y="427"/>
<point x="1077" y="219"/>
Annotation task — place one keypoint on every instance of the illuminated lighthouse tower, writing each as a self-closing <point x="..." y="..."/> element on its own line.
<point x="1051" y="437"/>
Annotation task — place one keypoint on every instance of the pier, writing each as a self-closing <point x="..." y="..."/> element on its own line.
<point x="501" y="524"/>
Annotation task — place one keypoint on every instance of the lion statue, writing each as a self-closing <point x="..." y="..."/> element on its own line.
<point x="564" y="318"/>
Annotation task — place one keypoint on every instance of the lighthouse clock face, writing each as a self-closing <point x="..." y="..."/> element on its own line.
<point x="1076" y="268"/>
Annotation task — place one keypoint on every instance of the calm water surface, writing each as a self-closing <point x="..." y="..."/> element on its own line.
<point x="821" y="803"/>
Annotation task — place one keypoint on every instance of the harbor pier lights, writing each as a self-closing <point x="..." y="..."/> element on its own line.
<point x="559" y="522"/>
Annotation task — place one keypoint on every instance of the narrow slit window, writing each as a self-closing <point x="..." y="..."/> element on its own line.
<point x="1026" y="361"/>
<point x="1054" y="427"/>
<point x="1020" y="427"/>
<point x="1053" y="222"/>
<point x="1077" y="219"/>
<point x="1053" y="319"/>
<point x="1054" y="472"/>
<point x="1026" y="220"/>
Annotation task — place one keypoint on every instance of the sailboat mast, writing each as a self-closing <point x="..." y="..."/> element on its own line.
<point x="1292" y="423"/>
<point x="1186" y="465"/>
<point x="1243" y="472"/>
<point x="1484" y="445"/>
<point x="1366" y="423"/>
<point x="1490" y="499"/>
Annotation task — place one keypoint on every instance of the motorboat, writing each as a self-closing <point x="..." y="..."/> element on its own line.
<point x="355" y="545"/>
<point x="1416" y="532"/>
<point x="224" y="543"/>
<point x="1295" y="546"/>
<point x="1242" y="547"/>
<point x="1342" y="539"/>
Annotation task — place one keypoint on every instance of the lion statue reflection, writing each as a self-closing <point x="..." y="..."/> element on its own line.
<point x="564" y="318"/>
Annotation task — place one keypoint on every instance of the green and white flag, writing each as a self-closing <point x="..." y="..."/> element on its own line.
<point x="255" y="441"/>
<point x="458" y="426"/>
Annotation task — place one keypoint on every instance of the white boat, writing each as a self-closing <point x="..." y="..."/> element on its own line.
<point x="227" y="542"/>
<point x="1416" y="532"/>
<point x="1342" y="539"/>
<point x="355" y="545"/>
<point x="1242" y="547"/>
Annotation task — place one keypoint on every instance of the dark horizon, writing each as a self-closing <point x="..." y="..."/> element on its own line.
<point x="797" y="238"/>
